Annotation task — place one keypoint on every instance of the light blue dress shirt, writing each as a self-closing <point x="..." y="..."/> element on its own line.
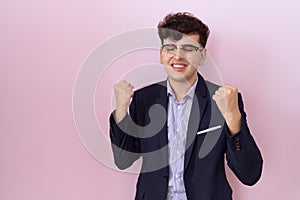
<point x="178" y="117"/>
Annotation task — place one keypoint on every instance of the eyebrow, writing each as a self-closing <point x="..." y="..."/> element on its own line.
<point x="192" y="45"/>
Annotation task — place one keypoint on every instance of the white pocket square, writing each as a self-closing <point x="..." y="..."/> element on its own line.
<point x="209" y="129"/>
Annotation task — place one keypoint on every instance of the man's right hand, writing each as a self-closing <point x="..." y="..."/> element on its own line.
<point x="123" y="94"/>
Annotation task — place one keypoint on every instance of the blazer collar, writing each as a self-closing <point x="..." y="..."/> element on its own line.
<point x="197" y="117"/>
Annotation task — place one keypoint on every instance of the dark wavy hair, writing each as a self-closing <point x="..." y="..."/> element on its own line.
<point x="176" y="24"/>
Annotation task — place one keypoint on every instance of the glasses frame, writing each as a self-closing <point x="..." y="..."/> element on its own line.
<point x="180" y="47"/>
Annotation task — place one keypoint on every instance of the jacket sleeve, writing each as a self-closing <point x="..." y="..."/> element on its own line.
<point x="242" y="154"/>
<point x="124" y="138"/>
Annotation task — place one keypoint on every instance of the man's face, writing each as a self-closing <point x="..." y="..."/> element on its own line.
<point x="181" y="65"/>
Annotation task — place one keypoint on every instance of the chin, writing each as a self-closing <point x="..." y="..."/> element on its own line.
<point x="179" y="76"/>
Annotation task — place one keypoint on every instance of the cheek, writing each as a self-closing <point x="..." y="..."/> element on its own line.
<point x="164" y="60"/>
<point x="194" y="62"/>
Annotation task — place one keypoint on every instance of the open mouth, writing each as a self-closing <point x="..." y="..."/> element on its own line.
<point x="178" y="66"/>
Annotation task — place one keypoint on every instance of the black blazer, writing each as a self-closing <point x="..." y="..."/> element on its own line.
<point x="144" y="134"/>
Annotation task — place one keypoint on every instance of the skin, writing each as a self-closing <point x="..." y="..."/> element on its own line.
<point x="182" y="74"/>
<point x="181" y="79"/>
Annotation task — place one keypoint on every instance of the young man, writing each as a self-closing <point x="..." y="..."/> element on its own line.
<point x="183" y="147"/>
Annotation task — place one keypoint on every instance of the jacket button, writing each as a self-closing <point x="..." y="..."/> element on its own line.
<point x="237" y="147"/>
<point x="166" y="178"/>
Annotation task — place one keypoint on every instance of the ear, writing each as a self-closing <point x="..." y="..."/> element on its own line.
<point x="203" y="57"/>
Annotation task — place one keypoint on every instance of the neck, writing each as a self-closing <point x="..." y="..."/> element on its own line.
<point x="181" y="88"/>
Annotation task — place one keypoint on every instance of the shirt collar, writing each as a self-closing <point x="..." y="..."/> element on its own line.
<point x="190" y="92"/>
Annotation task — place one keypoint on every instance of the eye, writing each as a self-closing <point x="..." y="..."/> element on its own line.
<point x="188" y="48"/>
<point x="169" y="47"/>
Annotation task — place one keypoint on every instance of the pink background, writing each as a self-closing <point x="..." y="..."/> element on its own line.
<point x="254" y="43"/>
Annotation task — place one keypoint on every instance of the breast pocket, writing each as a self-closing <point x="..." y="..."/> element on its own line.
<point x="211" y="139"/>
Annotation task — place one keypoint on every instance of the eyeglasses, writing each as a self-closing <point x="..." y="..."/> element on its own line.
<point x="187" y="50"/>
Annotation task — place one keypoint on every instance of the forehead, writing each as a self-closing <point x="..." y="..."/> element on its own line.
<point x="186" y="39"/>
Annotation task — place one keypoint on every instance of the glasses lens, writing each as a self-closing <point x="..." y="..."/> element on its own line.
<point x="171" y="50"/>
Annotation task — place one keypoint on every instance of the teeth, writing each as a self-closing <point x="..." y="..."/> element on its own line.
<point x="178" y="66"/>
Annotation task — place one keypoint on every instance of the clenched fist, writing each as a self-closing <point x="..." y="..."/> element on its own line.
<point x="226" y="98"/>
<point x="123" y="93"/>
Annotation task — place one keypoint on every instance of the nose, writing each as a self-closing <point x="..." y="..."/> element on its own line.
<point x="178" y="53"/>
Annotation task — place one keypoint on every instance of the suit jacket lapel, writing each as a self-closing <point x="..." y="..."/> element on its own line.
<point x="163" y="100"/>
<point x="215" y="119"/>
<point x="199" y="117"/>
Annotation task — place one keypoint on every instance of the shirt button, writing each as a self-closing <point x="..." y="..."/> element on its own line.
<point x="177" y="129"/>
<point x="178" y="107"/>
<point x="177" y="175"/>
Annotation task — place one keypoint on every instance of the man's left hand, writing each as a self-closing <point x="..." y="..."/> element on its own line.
<point x="226" y="98"/>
